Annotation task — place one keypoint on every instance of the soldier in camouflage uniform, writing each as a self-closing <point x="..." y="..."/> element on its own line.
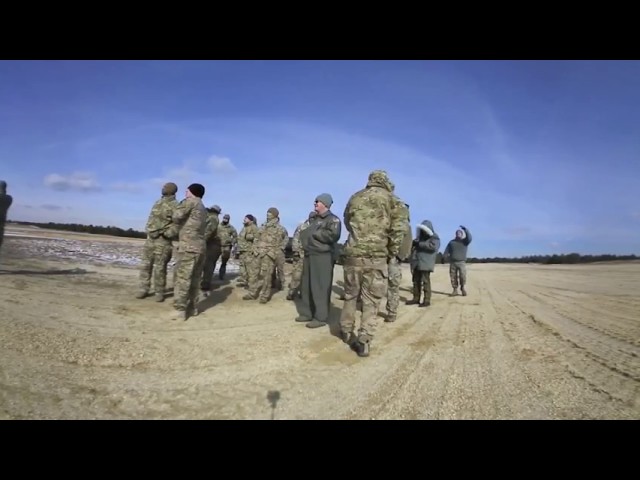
<point x="267" y="244"/>
<point x="245" y="245"/>
<point x="376" y="227"/>
<point x="395" y="266"/>
<point x="298" y="255"/>
<point x="214" y="248"/>
<point x="278" y="278"/>
<point x="319" y="245"/>
<point x="228" y="237"/>
<point x="157" y="250"/>
<point x="191" y="216"/>
<point x="5" y="203"/>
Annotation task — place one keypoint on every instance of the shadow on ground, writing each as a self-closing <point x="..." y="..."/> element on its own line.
<point x="216" y="297"/>
<point x="73" y="271"/>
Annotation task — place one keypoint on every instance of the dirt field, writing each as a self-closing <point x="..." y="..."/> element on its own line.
<point x="529" y="342"/>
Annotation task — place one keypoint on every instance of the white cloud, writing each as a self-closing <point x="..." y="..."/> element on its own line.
<point x="221" y="164"/>
<point x="554" y="244"/>
<point x="81" y="181"/>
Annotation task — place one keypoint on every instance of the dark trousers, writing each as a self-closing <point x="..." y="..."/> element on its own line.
<point x="317" y="279"/>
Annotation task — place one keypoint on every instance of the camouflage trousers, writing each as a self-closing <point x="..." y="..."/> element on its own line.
<point x="393" y="290"/>
<point x="458" y="270"/>
<point x="224" y="258"/>
<point x="278" y="279"/>
<point x="367" y="278"/>
<point x="188" y="275"/>
<point x="244" y="258"/>
<point x="156" y="255"/>
<point x="211" y="257"/>
<point x="296" y="273"/>
<point x="422" y="281"/>
<point x="260" y="286"/>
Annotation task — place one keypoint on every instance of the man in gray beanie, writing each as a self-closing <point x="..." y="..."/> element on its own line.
<point x="5" y="203"/>
<point x="318" y="243"/>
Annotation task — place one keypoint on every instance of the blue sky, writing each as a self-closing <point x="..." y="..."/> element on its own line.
<point x="535" y="157"/>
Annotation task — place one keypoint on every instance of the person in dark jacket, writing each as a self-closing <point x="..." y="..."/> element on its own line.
<point x="423" y="261"/>
<point x="318" y="242"/>
<point x="456" y="254"/>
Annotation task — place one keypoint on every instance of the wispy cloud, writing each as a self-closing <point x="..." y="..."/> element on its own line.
<point x="221" y="164"/>
<point x="48" y="206"/>
<point x="129" y="187"/>
<point x="80" y="181"/>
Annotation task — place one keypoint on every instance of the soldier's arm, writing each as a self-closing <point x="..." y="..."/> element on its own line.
<point x="295" y="242"/>
<point x="396" y="230"/>
<point x="251" y="233"/>
<point x="285" y="238"/>
<point x="211" y="228"/>
<point x="330" y="231"/>
<point x="447" y="252"/>
<point x="430" y="245"/>
<point x="182" y="211"/>
<point x="347" y="217"/>
<point x="467" y="233"/>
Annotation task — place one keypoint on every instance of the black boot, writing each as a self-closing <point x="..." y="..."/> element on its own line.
<point x="223" y="270"/>
<point x="416" y="296"/>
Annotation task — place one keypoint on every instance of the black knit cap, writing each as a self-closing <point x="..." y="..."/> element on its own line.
<point x="197" y="190"/>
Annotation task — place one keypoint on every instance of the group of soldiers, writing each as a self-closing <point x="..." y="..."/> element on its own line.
<point x="380" y="239"/>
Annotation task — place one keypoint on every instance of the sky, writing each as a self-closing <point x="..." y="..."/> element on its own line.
<point x="533" y="157"/>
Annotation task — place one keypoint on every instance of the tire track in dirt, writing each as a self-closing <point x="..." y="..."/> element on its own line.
<point x="536" y="333"/>
<point x="608" y="320"/>
<point x="619" y="356"/>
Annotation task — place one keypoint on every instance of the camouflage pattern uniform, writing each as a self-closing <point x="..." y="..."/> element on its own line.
<point x="228" y="237"/>
<point x="298" y="254"/>
<point x="214" y="248"/>
<point x="245" y="245"/>
<point x="394" y="266"/>
<point x="278" y="278"/>
<point x="5" y="203"/>
<point x="191" y="215"/>
<point x="158" y="249"/>
<point x="267" y="244"/>
<point x="376" y="229"/>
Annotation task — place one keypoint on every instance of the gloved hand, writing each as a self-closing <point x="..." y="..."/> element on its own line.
<point x="463" y="227"/>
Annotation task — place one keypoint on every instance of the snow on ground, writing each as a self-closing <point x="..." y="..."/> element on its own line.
<point x="101" y="253"/>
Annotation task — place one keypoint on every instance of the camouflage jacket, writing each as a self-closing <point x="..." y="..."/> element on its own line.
<point x="160" y="220"/>
<point x="376" y="226"/>
<point x="191" y="215"/>
<point x="228" y="234"/>
<point x="211" y="229"/>
<point x="271" y="239"/>
<point x="246" y="237"/>
<point x="405" y="246"/>
<point x="296" y="246"/>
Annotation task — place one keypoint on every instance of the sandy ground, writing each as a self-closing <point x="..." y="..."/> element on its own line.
<point x="529" y="342"/>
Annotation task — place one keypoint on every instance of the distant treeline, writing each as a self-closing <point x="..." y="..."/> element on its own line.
<point x="569" y="258"/>
<point x="97" y="229"/>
